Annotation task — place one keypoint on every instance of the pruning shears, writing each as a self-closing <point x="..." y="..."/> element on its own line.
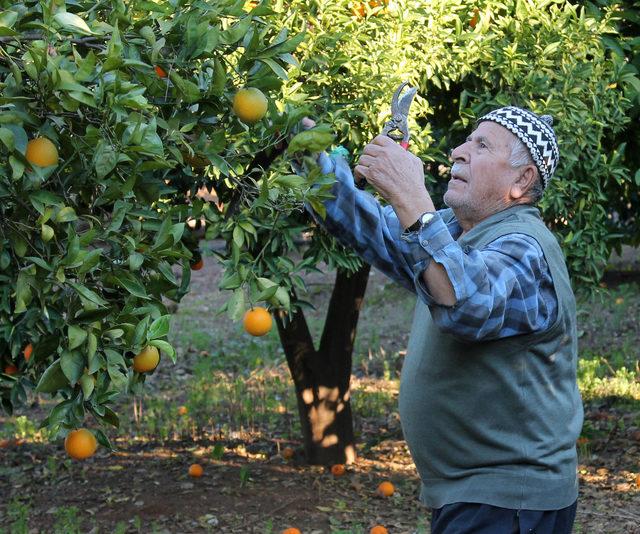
<point x="399" y="115"/>
<point x="399" y="119"/>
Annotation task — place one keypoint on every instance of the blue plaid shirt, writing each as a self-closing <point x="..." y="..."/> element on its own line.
<point x="503" y="290"/>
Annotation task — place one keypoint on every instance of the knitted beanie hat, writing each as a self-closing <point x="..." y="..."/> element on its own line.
<point x="535" y="131"/>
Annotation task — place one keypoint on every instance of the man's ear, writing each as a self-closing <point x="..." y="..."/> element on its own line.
<point x="524" y="182"/>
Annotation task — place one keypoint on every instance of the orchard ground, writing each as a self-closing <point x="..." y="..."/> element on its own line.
<point x="241" y="414"/>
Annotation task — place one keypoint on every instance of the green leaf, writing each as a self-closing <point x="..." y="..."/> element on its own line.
<point x="236" y="32"/>
<point x="72" y="364"/>
<point x="46" y="232"/>
<point x="66" y="214"/>
<point x="236" y="305"/>
<point x="53" y="379"/>
<point x="105" y="159"/>
<point x="159" y="327"/>
<point x="313" y="140"/>
<point x="72" y="23"/>
<point x="86" y="293"/>
<point x="189" y="90"/>
<point x="164" y="347"/>
<point x="276" y="68"/>
<point x="87" y="383"/>
<point x="132" y="285"/>
<point x="77" y="336"/>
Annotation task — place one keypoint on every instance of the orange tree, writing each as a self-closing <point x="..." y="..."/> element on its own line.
<point x="465" y="59"/>
<point x="113" y="115"/>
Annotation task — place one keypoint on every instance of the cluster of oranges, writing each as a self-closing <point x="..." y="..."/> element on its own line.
<point x="11" y="368"/>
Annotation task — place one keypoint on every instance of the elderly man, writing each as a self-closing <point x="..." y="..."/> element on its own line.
<point x="489" y="402"/>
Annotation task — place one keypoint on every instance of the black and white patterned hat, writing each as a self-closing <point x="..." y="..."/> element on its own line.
<point x="535" y="131"/>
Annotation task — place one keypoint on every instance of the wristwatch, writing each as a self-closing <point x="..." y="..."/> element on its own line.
<point x="423" y="220"/>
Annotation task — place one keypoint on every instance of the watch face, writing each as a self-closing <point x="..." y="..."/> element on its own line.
<point x="426" y="217"/>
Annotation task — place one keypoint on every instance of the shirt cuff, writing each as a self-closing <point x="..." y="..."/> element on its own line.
<point x="422" y="246"/>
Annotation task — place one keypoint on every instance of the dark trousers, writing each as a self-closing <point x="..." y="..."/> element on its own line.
<point x="472" y="518"/>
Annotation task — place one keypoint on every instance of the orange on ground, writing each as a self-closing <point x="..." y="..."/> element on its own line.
<point x="257" y="321"/>
<point x="197" y="265"/>
<point x="582" y="440"/>
<point x="386" y="489"/>
<point x="146" y="360"/>
<point x="292" y="530"/>
<point x="182" y="410"/>
<point x="80" y="444"/>
<point x="287" y="453"/>
<point x="195" y="470"/>
<point x="338" y="470"/>
<point x="250" y="104"/>
<point x="378" y="529"/>
<point x="41" y="152"/>
<point x="28" y="351"/>
<point x="619" y="300"/>
<point x="11" y="369"/>
<point x="160" y="71"/>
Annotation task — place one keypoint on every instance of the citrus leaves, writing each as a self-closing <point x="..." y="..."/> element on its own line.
<point x="313" y="140"/>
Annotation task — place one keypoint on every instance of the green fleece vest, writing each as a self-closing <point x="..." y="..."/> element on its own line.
<point x="496" y="422"/>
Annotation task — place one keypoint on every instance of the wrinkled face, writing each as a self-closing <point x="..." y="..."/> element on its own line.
<point x="481" y="175"/>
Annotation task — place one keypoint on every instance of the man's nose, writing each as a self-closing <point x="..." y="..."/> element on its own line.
<point x="458" y="154"/>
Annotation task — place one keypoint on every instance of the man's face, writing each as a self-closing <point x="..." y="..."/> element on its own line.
<point x="481" y="175"/>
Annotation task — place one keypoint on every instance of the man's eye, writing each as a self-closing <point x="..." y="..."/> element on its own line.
<point x="482" y="145"/>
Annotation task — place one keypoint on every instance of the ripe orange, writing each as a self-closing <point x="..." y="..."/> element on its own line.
<point x="41" y="152"/>
<point x="386" y="489"/>
<point x="11" y="369"/>
<point x="80" y="444"/>
<point x="287" y="453"/>
<point x="257" y="321"/>
<point x="146" y="360"/>
<point x="359" y="10"/>
<point x="338" y="470"/>
<point x="197" y="265"/>
<point x="292" y="530"/>
<point x="28" y="351"/>
<point x="195" y="470"/>
<point x="160" y="71"/>
<point x="182" y="410"/>
<point x="474" y="20"/>
<point x="250" y="104"/>
<point x="378" y="529"/>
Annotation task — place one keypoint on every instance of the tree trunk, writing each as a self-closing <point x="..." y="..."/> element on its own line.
<point x="322" y="377"/>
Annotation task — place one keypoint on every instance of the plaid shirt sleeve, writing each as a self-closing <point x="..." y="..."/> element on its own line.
<point x="502" y="290"/>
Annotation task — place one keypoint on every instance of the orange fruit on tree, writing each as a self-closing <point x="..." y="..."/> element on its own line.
<point x="386" y="489"/>
<point x="160" y="71"/>
<point x="182" y="410"/>
<point x="11" y="369"/>
<point x="28" y="351"/>
<point x="287" y="453"/>
<point x="338" y="470"/>
<point x="80" y="444"/>
<point x="146" y="360"/>
<point x="197" y="265"/>
<point x="195" y="470"/>
<point x="257" y="321"/>
<point x="291" y="530"/>
<point x="250" y="104"/>
<point x="378" y="529"/>
<point x="359" y="10"/>
<point x="474" y="20"/>
<point x="41" y="152"/>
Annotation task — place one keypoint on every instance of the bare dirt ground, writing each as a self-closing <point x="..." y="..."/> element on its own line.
<point x="249" y="487"/>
